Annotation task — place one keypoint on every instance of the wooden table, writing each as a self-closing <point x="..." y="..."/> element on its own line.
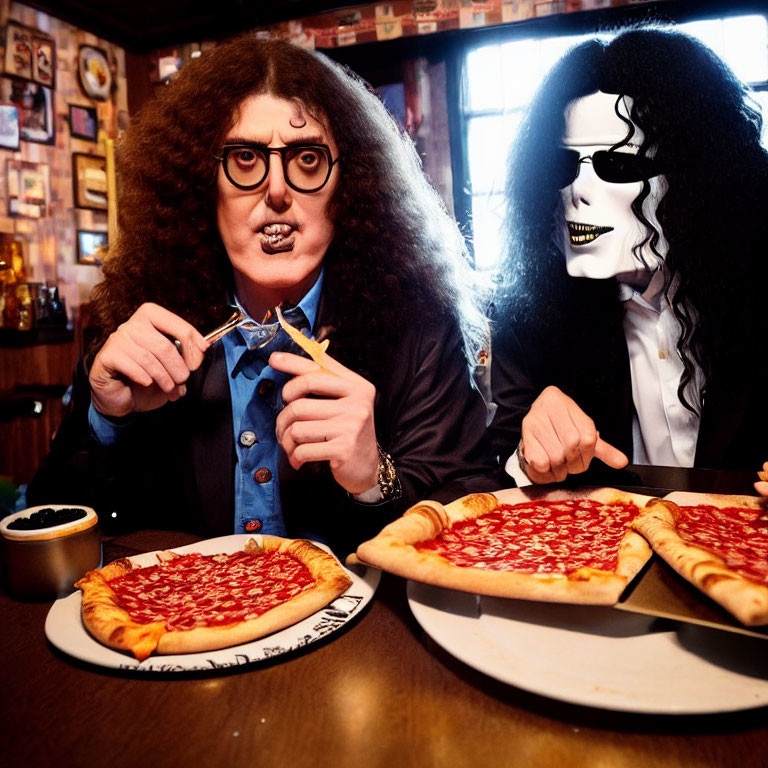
<point x="380" y="693"/>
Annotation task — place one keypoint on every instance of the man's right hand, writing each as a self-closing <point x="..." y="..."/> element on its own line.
<point x="140" y="368"/>
<point x="559" y="439"/>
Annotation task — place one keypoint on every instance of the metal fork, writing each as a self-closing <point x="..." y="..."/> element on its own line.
<point x="239" y="320"/>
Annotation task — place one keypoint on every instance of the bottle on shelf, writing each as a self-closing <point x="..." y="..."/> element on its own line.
<point x="8" y="280"/>
<point x="26" y="307"/>
<point x="57" y="311"/>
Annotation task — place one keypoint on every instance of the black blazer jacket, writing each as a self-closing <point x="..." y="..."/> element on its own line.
<point x="733" y="432"/>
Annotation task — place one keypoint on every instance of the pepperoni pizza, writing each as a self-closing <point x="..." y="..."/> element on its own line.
<point x="194" y="602"/>
<point x="558" y="546"/>
<point x="719" y="543"/>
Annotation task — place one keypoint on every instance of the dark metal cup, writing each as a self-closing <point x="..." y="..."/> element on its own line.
<point x="45" y="563"/>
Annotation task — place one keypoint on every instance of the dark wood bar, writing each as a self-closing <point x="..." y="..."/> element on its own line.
<point x="35" y="371"/>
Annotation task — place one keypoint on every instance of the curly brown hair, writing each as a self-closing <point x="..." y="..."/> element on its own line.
<point x="397" y="256"/>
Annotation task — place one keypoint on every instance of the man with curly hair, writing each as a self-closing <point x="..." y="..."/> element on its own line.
<point x="266" y="175"/>
<point x="635" y="265"/>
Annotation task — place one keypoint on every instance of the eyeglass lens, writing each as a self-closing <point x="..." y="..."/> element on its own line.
<point x="306" y="168"/>
<point x="613" y="167"/>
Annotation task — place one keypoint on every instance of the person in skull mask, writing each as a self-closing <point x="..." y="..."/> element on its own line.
<point x="631" y="317"/>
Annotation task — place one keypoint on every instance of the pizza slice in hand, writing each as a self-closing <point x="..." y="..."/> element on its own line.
<point x="556" y="546"/>
<point x="719" y="543"/>
<point x="193" y="602"/>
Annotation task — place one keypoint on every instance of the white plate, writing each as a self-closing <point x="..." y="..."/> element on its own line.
<point x="597" y="656"/>
<point x="65" y="629"/>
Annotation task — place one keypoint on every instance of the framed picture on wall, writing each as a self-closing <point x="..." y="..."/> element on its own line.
<point x="83" y="122"/>
<point x="89" y="180"/>
<point x="35" y="104"/>
<point x="28" y="189"/>
<point x="44" y="62"/>
<point x="90" y="246"/>
<point x="94" y="73"/>
<point x="19" y="50"/>
<point x="10" y="132"/>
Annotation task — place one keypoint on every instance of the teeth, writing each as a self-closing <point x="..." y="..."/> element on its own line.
<point x="580" y="234"/>
<point x="280" y="230"/>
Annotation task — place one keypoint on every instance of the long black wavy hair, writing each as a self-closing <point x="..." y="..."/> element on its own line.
<point x="703" y="130"/>
<point x="397" y="256"/>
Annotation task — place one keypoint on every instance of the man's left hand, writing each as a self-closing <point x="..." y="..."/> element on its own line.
<point x="335" y="426"/>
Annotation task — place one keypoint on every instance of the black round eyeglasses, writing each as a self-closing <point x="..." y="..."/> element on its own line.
<point x="306" y="167"/>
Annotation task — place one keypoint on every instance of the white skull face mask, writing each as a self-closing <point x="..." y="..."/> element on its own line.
<point x="600" y="233"/>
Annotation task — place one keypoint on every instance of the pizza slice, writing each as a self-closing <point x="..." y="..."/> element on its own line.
<point x="193" y="602"/>
<point x="556" y="546"/>
<point x="718" y="543"/>
<point x="315" y="349"/>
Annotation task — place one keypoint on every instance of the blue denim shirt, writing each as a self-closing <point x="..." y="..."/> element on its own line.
<point x="256" y="401"/>
<point x="255" y="390"/>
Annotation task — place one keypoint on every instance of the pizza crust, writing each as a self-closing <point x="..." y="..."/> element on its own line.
<point x="745" y="599"/>
<point x="113" y="626"/>
<point x="393" y="550"/>
<point x="109" y="623"/>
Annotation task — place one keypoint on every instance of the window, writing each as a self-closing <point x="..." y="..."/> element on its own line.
<point x="501" y="78"/>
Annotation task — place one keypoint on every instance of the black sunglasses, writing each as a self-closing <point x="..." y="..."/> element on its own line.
<point x="306" y="167"/>
<point x="613" y="167"/>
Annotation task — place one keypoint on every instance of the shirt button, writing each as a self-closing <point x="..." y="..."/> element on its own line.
<point x="266" y="387"/>
<point x="247" y="438"/>
<point x="662" y="354"/>
<point x="252" y="526"/>
<point x="262" y="475"/>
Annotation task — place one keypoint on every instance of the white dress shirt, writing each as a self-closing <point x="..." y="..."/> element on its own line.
<point x="664" y="431"/>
